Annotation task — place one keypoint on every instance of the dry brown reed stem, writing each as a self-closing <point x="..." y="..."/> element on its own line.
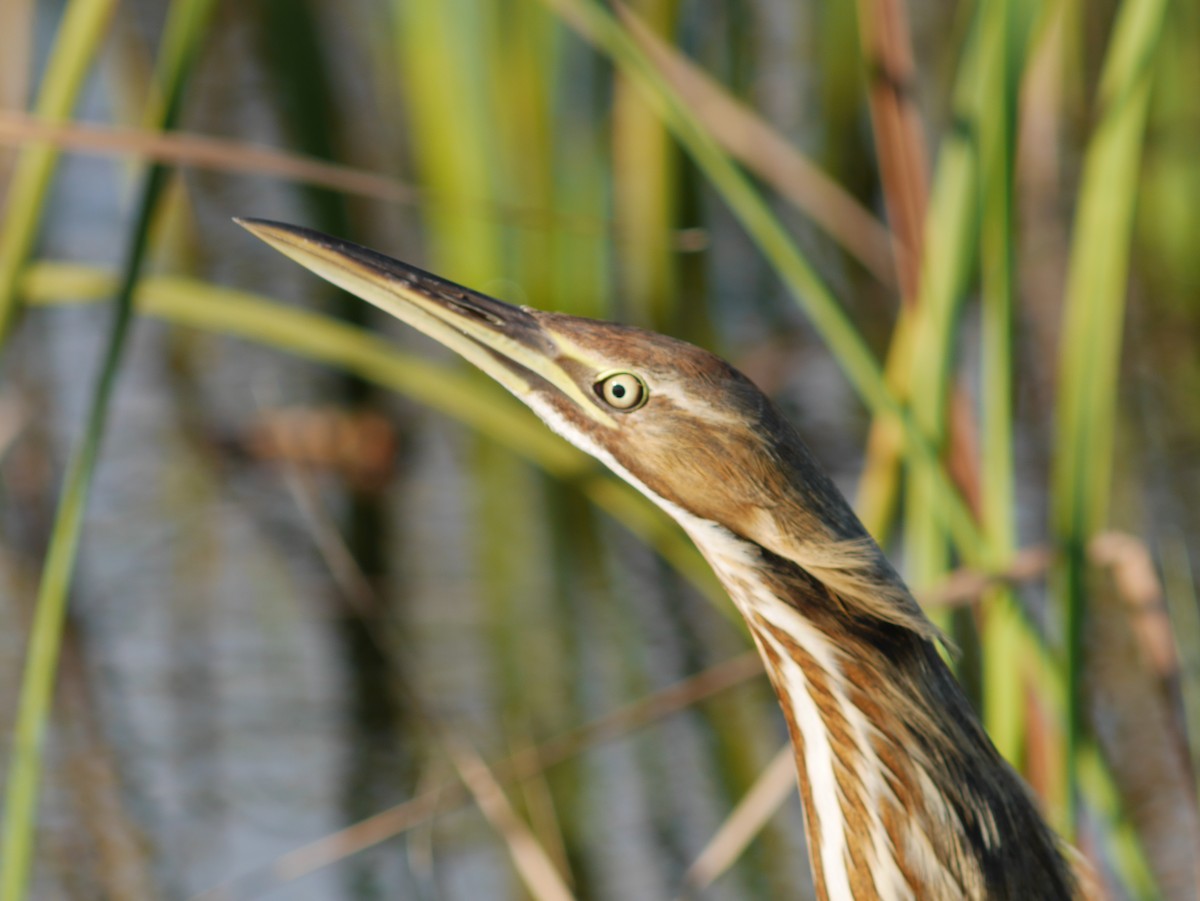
<point x="203" y="152"/>
<point x="1136" y="580"/>
<point x="16" y="57"/>
<point x="541" y="808"/>
<point x="240" y="158"/>
<point x="537" y="871"/>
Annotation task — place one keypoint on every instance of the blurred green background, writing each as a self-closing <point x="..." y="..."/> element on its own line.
<point x="293" y="602"/>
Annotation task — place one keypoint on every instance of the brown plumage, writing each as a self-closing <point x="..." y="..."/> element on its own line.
<point x="904" y="795"/>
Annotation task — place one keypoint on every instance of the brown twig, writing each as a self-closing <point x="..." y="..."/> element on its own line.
<point x="532" y="862"/>
<point x="241" y="158"/>
<point x="16" y="55"/>
<point x="202" y="152"/>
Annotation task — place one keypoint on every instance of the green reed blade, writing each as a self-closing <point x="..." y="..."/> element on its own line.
<point x="83" y="26"/>
<point x="1005" y="29"/>
<point x="184" y="30"/>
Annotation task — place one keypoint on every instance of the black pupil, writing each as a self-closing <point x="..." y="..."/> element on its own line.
<point x="618" y="391"/>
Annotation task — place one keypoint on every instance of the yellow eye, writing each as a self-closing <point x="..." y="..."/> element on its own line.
<point x="622" y="390"/>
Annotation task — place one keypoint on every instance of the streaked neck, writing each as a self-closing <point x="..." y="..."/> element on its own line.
<point x="904" y="795"/>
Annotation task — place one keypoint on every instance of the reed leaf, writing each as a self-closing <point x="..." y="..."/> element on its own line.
<point x="1092" y="328"/>
<point x="644" y="186"/>
<point x="184" y="31"/>
<point x="950" y="254"/>
<point x="1005" y="25"/>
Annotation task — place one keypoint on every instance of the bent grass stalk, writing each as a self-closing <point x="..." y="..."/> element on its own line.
<point x="829" y="318"/>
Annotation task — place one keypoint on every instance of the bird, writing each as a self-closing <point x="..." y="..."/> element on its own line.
<point x="904" y="795"/>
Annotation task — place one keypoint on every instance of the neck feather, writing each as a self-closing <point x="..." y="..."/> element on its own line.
<point x="904" y="795"/>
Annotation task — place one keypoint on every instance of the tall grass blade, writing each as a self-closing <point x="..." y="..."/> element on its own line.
<point x="1092" y="329"/>
<point x="645" y="192"/>
<point x="899" y="135"/>
<point x="798" y="274"/>
<point x="776" y="784"/>
<point x="185" y="28"/>
<point x="83" y="27"/>
<point x="1005" y="27"/>
<point x="447" y="118"/>
<point x="533" y="863"/>
<point x="448" y="123"/>
<point x="950" y="247"/>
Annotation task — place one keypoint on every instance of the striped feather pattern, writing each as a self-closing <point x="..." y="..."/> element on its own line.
<point x="904" y="795"/>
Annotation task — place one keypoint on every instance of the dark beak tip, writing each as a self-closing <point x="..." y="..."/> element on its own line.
<point x="254" y="223"/>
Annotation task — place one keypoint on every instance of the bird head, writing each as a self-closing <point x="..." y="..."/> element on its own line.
<point x="675" y="421"/>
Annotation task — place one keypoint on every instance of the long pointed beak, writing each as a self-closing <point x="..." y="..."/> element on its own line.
<point x="505" y="341"/>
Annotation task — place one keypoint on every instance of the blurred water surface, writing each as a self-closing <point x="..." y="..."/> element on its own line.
<point x="227" y="698"/>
